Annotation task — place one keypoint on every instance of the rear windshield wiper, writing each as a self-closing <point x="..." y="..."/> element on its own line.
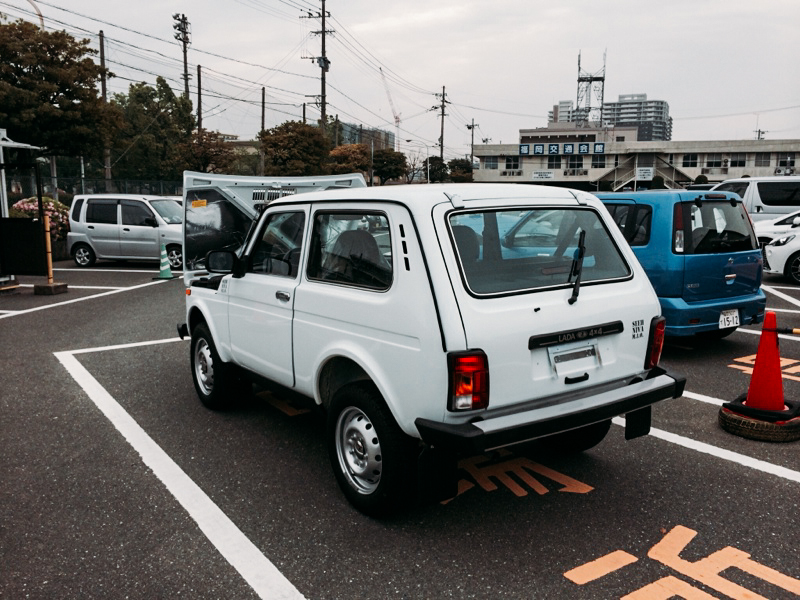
<point x="577" y="268"/>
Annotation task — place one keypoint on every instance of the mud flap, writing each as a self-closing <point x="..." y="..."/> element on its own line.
<point x="437" y="478"/>
<point x="637" y="423"/>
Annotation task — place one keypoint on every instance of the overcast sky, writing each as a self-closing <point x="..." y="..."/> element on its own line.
<point x="726" y="67"/>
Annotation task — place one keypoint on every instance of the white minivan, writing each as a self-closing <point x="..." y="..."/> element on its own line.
<point x="765" y="197"/>
<point x="125" y="227"/>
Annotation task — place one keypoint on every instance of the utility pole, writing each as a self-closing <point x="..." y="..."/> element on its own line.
<point x="106" y="149"/>
<point x="261" y="133"/>
<point x="199" y="103"/>
<point x="760" y="134"/>
<point x="323" y="62"/>
<point x="472" y="143"/>
<point x="182" y="32"/>
<point x="441" y="136"/>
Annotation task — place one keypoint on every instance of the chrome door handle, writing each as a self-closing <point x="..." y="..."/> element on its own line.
<point x="283" y="296"/>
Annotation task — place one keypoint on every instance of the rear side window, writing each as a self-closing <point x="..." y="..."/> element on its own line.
<point x="737" y="187"/>
<point x="634" y="221"/>
<point x="101" y="211"/>
<point x="779" y="193"/>
<point x="513" y="251"/>
<point x="76" y="209"/>
<point x="713" y="228"/>
<point x="351" y="248"/>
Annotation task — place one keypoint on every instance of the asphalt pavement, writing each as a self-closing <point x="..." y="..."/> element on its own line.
<point x="117" y="483"/>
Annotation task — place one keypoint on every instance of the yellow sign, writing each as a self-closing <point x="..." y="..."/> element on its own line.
<point x="199" y="203"/>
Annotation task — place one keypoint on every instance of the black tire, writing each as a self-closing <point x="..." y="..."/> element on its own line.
<point x="175" y="257"/>
<point x="791" y="269"/>
<point x="373" y="459"/>
<point x="754" y="429"/>
<point x="83" y="255"/>
<point x="218" y="384"/>
<point x="580" y="439"/>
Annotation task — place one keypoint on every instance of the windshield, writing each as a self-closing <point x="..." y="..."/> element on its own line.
<point x="169" y="210"/>
<point x="509" y="251"/>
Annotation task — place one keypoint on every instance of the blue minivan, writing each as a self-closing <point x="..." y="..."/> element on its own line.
<point x="700" y="252"/>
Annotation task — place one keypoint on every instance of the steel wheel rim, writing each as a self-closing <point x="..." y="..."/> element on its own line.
<point x="82" y="256"/>
<point x="358" y="450"/>
<point x="204" y="366"/>
<point x="175" y="258"/>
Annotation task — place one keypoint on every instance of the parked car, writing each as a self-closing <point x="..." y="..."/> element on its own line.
<point x="782" y="257"/>
<point x="767" y="231"/>
<point x="125" y="227"/>
<point x="426" y="323"/>
<point x="701" y="254"/>
<point x="765" y="197"/>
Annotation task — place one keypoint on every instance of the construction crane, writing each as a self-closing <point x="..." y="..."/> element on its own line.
<point x="394" y="112"/>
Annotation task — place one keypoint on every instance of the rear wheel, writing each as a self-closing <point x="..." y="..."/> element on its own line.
<point x="792" y="268"/>
<point x="83" y="255"/>
<point x="373" y="459"/>
<point x="580" y="439"/>
<point x="217" y="383"/>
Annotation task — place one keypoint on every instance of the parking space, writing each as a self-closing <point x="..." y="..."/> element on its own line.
<point x="121" y="484"/>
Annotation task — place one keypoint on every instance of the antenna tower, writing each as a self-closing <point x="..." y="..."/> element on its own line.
<point x="590" y="84"/>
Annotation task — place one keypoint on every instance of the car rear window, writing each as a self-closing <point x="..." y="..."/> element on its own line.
<point x="713" y="227"/>
<point x="511" y="250"/>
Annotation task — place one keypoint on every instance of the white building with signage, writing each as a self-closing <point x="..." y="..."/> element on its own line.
<point x="613" y="159"/>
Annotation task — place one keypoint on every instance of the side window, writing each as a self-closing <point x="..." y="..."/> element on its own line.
<point x="352" y="248"/>
<point x="737" y="187"/>
<point x="779" y="193"/>
<point x="278" y="250"/>
<point x="633" y="221"/>
<point x="76" y="209"/>
<point x="102" y="211"/>
<point x="136" y="213"/>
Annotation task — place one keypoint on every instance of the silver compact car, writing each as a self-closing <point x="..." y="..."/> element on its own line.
<point x="125" y="227"/>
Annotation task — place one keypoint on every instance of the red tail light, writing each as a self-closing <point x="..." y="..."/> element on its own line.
<point x="656" y="342"/>
<point x="469" y="380"/>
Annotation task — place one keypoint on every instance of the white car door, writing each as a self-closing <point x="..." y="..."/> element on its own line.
<point x="261" y="303"/>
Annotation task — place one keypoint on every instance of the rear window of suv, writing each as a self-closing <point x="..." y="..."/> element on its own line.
<point x="712" y="227"/>
<point x="518" y="250"/>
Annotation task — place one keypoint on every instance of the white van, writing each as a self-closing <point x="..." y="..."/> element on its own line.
<point x="765" y="197"/>
<point x="125" y="227"/>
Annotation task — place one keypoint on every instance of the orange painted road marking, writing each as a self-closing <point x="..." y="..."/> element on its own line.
<point x="282" y="405"/>
<point x="600" y="567"/>
<point x="519" y="467"/>
<point x="789" y="366"/>
<point x="705" y="570"/>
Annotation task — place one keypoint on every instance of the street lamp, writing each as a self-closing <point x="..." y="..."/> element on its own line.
<point x="427" y="156"/>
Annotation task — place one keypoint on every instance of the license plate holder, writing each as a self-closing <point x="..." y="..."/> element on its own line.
<point x="729" y="318"/>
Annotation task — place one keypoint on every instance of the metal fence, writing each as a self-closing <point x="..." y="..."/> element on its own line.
<point x="23" y="185"/>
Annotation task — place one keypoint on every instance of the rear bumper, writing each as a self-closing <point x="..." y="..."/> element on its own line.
<point x="679" y="313"/>
<point x="490" y="433"/>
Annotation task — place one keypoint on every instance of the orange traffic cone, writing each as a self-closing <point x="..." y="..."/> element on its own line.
<point x="766" y="383"/>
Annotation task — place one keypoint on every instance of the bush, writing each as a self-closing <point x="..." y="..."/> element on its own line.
<point x="58" y="213"/>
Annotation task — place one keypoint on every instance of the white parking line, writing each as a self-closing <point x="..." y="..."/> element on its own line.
<point x="702" y="398"/>
<point x="265" y="579"/>
<point x="82" y="287"/>
<point x="81" y="270"/>
<point x="787" y="297"/>
<point x="114" y="291"/>
<point x="735" y="457"/>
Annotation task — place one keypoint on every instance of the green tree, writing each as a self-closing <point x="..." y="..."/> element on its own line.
<point x="460" y="170"/>
<point x="349" y="158"/>
<point x="158" y="128"/>
<point x="658" y="183"/>
<point x="701" y="179"/>
<point x="388" y="164"/>
<point x="437" y="169"/>
<point x="294" y="148"/>
<point x="206" y="152"/>
<point x="48" y="91"/>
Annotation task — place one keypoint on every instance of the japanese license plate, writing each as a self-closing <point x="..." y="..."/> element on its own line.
<point x="729" y="318"/>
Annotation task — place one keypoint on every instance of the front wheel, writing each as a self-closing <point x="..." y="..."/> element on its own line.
<point x="580" y="439"/>
<point x="373" y="459"/>
<point x="175" y="257"/>
<point x="792" y="268"/>
<point x="217" y="383"/>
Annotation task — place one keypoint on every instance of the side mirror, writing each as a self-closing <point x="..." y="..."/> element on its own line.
<point x="796" y="222"/>
<point x="150" y="222"/>
<point x="221" y="261"/>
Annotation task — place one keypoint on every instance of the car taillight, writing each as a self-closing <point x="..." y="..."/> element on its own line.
<point x="677" y="229"/>
<point x="655" y="342"/>
<point x="469" y="380"/>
